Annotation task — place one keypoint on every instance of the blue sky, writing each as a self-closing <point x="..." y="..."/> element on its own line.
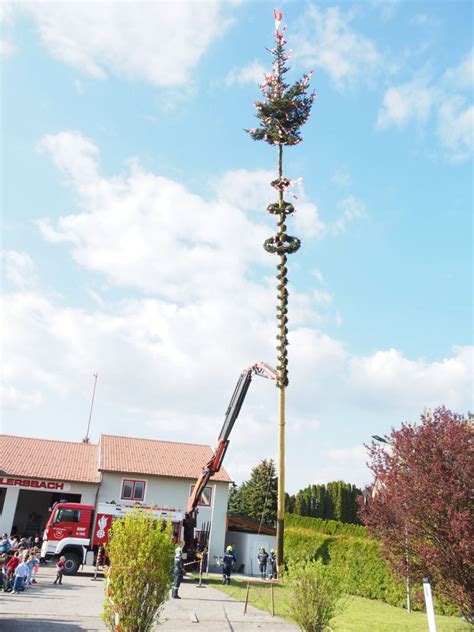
<point x="134" y="211"/>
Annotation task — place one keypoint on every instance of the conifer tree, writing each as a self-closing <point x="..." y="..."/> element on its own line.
<point x="257" y="497"/>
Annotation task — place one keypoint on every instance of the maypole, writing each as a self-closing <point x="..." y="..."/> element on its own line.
<point x="282" y="113"/>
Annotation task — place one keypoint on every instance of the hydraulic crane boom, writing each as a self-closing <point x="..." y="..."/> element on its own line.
<point x="215" y="463"/>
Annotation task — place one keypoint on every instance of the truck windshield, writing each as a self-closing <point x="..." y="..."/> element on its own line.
<point x="67" y="515"/>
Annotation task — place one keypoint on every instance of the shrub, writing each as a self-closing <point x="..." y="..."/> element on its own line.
<point x="139" y="576"/>
<point x="314" y="593"/>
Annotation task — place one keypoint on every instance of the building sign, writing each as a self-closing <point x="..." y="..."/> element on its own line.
<point x="34" y="484"/>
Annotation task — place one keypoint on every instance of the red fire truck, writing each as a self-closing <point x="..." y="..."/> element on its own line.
<point x="77" y="531"/>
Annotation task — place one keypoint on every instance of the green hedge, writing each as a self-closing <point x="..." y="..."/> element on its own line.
<point x="330" y="527"/>
<point x="357" y="561"/>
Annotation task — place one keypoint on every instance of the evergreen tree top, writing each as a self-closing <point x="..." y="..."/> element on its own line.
<point x="286" y="108"/>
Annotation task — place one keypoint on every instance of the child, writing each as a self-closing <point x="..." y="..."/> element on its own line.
<point x="11" y="568"/>
<point x="36" y="563"/>
<point x="60" y="570"/>
<point x="30" y="560"/>
<point x="20" y="574"/>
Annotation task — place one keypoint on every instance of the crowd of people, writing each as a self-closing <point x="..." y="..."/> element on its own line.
<point x="20" y="560"/>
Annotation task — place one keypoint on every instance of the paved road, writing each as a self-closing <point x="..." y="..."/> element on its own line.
<point x="76" y="605"/>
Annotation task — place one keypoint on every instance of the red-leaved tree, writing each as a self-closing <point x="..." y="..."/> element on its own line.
<point x="421" y="503"/>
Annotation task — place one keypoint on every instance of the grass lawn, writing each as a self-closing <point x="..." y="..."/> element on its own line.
<point x="358" y="614"/>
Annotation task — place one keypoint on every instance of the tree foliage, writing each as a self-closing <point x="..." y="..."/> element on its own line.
<point x="314" y="594"/>
<point x="335" y="501"/>
<point x="285" y="109"/>
<point x="421" y="503"/>
<point x="139" y="576"/>
<point x="257" y="497"/>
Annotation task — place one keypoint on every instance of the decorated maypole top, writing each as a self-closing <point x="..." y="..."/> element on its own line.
<point x="282" y="113"/>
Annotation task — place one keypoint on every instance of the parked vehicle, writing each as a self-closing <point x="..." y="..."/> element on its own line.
<point x="77" y="531"/>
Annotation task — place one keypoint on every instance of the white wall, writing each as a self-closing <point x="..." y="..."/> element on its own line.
<point x="174" y="493"/>
<point x="246" y="547"/>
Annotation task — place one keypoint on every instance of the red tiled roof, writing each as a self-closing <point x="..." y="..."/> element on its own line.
<point x="156" y="458"/>
<point x="44" y="458"/>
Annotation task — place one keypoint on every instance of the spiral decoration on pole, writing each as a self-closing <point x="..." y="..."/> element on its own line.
<point x="283" y="112"/>
<point x="281" y="115"/>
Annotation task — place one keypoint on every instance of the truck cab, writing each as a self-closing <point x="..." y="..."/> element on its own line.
<point x="68" y="533"/>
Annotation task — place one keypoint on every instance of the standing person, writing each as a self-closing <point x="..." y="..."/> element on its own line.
<point x="228" y="562"/>
<point x="59" y="570"/>
<point x="36" y="563"/>
<point x="262" y="558"/>
<point x="177" y="572"/>
<point x="273" y="565"/>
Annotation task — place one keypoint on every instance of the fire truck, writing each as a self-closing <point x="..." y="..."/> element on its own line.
<point x="77" y="530"/>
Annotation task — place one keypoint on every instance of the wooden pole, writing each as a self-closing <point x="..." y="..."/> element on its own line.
<point x="282" y="377"/>
<point x="281" y="479"/>
<point x="247" y="597"/>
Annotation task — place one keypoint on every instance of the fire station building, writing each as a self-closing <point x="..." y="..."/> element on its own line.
<point x="36" y="473"/>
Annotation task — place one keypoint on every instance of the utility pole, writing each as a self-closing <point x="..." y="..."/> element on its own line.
<point x="281" y="114"/>
<point x="86" y="438"/>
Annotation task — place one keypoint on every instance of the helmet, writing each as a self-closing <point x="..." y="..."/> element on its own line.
<point x="229" y="548"/>
<point x="272" y="551"/>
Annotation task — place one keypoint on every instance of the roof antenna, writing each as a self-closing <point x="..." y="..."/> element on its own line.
<point x="86" y="438"/>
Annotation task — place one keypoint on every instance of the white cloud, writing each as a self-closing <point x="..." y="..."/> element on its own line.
<point x="249" y="190"/>
<point x="443" y="102"/>
<point x="326" y="40"/>
<point x="159" y="43"/>
<point x="318" y="275"/>
<point x="7" y="49"/>
<point x="388" y="379"/>
<point x="13" y="399"/>
<point x="341" y="177"/>
<point x="151" y="233"/>
<point x="252" y="73"/>
<point x="456" y="127"/>
<point x="19" y="269"/>
<point x="347" y="464"/>
<point x="461" y="77"/>
<point x="352" y="210"/>
<point x="322" y="298"/>
<point x="401" y="104"/>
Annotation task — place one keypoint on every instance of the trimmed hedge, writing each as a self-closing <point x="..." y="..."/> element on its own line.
<point x="356" y="561"/>
<point x="330" y="527"/>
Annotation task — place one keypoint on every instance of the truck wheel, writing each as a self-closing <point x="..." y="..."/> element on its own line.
<point x="72" y="563"/>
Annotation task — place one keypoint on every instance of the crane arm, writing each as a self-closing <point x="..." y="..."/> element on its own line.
<point x="214" y="464"/>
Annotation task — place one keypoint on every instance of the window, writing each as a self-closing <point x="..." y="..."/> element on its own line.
<point x="133" y="490"/>
<point x="206" y="496"/>
<point x="67" y="515"/>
